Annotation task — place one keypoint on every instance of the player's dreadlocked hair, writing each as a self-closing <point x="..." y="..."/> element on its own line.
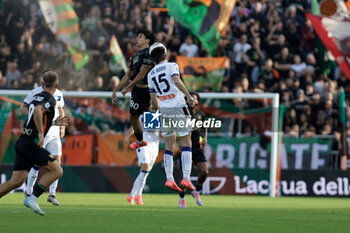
<point x="148" y="34"/>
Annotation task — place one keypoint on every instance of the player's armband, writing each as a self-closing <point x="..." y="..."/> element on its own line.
<point x="147" y="62"/>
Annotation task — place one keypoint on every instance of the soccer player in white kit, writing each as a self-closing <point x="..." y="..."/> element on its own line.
<point x="52" y="141"/>
<point x="164" y="81"/>
<point x="146" y="155"/>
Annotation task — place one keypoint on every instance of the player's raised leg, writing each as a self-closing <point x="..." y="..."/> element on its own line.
<point x="186" y="160"/>
<point x="17" y="179"/>
<point x="169" y="163"/>
<point x="136" y="124"/>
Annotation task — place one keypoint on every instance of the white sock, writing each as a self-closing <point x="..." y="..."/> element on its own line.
<point x="143" y="177"/>
<point x="53" y="188"/>
<point x="137" y="184"/>
<point x="32" y="176"/>
<point x="169" y="164"/>
<point x="32" y="197"/>
<point x="186" y="159"/>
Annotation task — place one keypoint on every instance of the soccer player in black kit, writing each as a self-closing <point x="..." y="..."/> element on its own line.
<point x="29" y="151"/>
<point x="141" y="63"/>
<point x="198" y="156"/>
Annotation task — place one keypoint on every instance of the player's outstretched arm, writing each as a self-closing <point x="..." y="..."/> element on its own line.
<point x="181" y="86"/>
<point x="141" y="75"/>
<point x="62" y="128"/>
<point x="121" y="84"/>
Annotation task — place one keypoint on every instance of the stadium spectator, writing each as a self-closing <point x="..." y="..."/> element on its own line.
<point x="188" y="48"/>
<point x="12" y="74"/>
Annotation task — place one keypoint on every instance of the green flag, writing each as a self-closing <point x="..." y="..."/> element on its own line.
<point x="64" y="23"/>
<point x="315" y="8"/>
<point x="205" y="18"/>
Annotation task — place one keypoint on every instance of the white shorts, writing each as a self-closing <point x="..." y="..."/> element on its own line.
<point x="53" y="145"/>
<point x="171" y="118"/>
<point x="148" y="154"/>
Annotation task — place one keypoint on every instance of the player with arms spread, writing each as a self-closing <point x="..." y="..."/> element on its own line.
<point x="198" y="156"/>
<point x="29" y="151"/>
<point x="52" y="141"/>
<point x="140" y="99"/>
<point x="164" y="81"/>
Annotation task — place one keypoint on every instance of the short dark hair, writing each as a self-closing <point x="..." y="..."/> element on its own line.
<point x="197" y="95"/>
<point x="158" y="54"/>
<point x="148" y="34"/>
<point x="50" y="78"/>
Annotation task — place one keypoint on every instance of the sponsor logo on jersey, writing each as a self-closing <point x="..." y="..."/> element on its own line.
<point x="38" y="98"/>
<point x="27" y="131"/>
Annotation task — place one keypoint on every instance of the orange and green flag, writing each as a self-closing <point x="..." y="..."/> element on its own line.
<point x="201" y="72"/>
<point x="64" y="23"/>
<point x="206" y="19"/>
<point x="118" y="56"/>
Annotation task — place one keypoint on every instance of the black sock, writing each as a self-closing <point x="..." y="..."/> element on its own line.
<point x="38" y="190"/>
<point x="139" y="136"/>
<point x="182" y="194"/>
<point x="198" y="187"/>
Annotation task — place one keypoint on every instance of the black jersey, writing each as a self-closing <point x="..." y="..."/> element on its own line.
<point x="197" y="132"/>
<point x="48" y="102"/>
<point x="141" y="58"/>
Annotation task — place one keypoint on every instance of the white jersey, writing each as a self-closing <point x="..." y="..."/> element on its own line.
<point x="160" y="81"/>
<point x="54" y="131"/>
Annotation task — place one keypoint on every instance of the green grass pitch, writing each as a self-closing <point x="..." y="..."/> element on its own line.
<point x="111" y="213"/>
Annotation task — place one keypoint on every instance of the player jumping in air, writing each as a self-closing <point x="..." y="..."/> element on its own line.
<point x="164" y="81"/>
<point x="29" y="147"/>
<point x="146" y="155"/>
<point x="198" y="156"/>
<point x="140" y="99"/>
<point x="52" y="142"/>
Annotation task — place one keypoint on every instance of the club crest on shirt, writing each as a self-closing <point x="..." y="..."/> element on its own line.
<point x="47" y="105"/>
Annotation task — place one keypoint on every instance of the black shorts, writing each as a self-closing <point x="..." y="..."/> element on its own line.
<point x="140" y="100"/>
<point x="198" y="156"/>
<point x="29" y="154"/>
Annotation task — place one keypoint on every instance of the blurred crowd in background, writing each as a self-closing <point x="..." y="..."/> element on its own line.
<point x="271" y="45"/>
